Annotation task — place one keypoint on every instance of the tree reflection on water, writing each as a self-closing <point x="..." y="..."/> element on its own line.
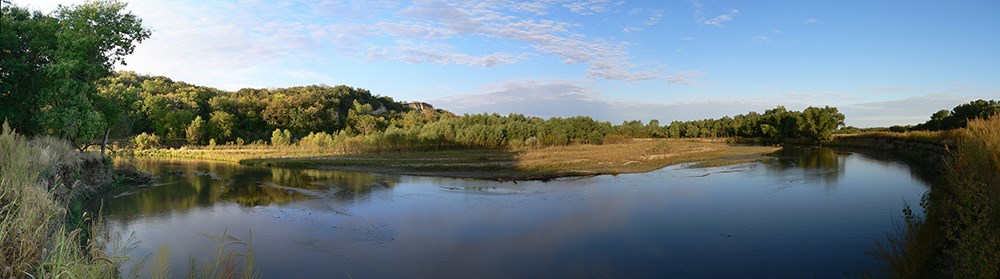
<point x="183" y="185"/>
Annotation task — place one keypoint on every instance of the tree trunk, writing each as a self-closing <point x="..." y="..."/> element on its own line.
<point x="104" y="145"/>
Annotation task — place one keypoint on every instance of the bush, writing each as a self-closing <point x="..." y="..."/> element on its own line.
<point x="319" y="140"/>
<point x="281" y="138"/>
<point x="145" y="141"/>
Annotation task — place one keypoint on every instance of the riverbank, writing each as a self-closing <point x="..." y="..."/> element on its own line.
<point x="44" y="233"/>
<point x="633" y="156"/>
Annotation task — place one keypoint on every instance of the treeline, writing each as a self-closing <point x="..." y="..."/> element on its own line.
<point x="354" y="120"/>
<point x="197" y="114"/>
<point x="163" y="112"/>
<point x="957" y="117"/>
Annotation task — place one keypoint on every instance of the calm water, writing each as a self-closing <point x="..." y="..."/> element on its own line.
<point x="809" y="212"/>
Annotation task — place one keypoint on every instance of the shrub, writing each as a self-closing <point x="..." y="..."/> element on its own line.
<point x="281" y="137"/>
<point x="315" y="140"/>
<point x="145" y="141"/>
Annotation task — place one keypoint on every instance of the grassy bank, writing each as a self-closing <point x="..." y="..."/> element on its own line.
<point x="960" y="235"/>
<point x="36" y="240"/>
<point x="45" y="234"/>
<point x="523" y="164"/>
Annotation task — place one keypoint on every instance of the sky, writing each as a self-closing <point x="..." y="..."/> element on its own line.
<point x="881" y="63"/>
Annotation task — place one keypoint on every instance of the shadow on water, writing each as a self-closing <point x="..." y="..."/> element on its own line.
<point x="182" y="185"/>
<point x="827" y="165"/>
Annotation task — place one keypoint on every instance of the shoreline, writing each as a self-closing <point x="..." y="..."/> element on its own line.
<point x="532" y="164"/>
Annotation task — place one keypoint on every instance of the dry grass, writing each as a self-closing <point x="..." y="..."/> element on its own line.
<point x="34" y="239"/>
<point x="934" y="137"/>
<point x="530" y="163"/>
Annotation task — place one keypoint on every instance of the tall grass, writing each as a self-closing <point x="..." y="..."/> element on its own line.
<point x="35" y="239"/>
<point x="970" y="203"/>
<point x="960" y="235"/>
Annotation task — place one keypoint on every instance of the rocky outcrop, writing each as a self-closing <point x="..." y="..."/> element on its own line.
<point x="420" y="106"/>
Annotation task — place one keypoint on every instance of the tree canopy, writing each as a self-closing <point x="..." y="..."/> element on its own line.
<point x="52" y="62"/>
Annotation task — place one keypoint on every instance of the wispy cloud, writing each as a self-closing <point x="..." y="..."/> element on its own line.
<point x="652" y="20"/>
<point x="435" y="22"/>
<point x="688" y="38"/>
<point x="718" y="21"/>
<point x="908" y="111"/>
<point x="413" y="52"/>
<point x="588" y="7"/>
<point x="761" y="39"/>
<point x="811" y="21"/>
<point x="561" y="98"/>
<point x="688" y="78"/>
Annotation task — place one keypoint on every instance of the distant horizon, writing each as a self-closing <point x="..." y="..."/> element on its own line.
<point x="881" y="64"/>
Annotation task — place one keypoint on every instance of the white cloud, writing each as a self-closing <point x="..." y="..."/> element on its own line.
<point x="688" y="38"/>
<point x="589" y="7"/>
<point x="811" y="21"/>
<point x="212" y="40"/>
<point x="412" y="52"/>
<point x="908" y="111"/>
<point x="563" y="98"/>
<point x="688" y="78"/>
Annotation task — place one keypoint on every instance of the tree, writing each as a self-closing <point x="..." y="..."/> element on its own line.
<point x="818" y="124"/>
<point x="51" y="63"/>
<point x="281" y="137"/>
<point x="197" y="131"/>
<point x="115" y="97"/>
<point x="222" y="124"/>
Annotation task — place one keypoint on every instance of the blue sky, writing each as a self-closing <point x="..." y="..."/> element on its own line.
<point x="881" y="62"/>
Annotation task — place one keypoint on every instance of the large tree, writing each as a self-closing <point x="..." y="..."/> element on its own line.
<point x="818" y="124"/>
<point x="51" y="64"/>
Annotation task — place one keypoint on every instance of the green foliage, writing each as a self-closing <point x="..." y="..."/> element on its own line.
<point x="281" y="137"/>
<point x="146" y="141"/>
<point x="959" y="116"/>
<point x="51" y="63"/>
<point x="197" y="131"/>
<point x="319" y="140"/>
<point x="818" y="124"/>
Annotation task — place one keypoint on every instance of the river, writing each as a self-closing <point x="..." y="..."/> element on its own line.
<point x="809" y="212"/>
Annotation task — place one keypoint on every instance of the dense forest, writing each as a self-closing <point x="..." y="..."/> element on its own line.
<point x="168" y="113"/>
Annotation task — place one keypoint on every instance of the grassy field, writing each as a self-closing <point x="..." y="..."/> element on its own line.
<point x="526" y="164"/>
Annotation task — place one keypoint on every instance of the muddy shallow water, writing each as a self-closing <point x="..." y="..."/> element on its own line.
<point x="808" y="212"/>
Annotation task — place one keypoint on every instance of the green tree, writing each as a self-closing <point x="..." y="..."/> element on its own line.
<point x="281" y="137"/>
<point x="818" y="124"/>
<point x="54" y="61"/>
<point x="197" y="131"/>
<point x="222" y="124"/>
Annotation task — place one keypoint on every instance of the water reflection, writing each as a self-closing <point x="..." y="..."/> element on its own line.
<point x="182" y="185"/>
<point x="810" y="212"/>
<point x="814" y="165"/>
